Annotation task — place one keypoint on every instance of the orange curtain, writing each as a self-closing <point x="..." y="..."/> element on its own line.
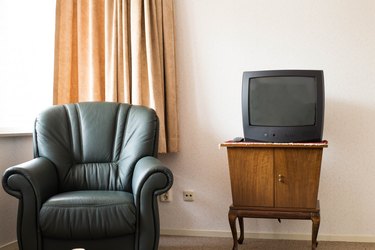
<point x="118" y="50"/>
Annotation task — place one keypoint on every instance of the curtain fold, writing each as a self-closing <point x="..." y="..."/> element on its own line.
<point x="122" y="51"/>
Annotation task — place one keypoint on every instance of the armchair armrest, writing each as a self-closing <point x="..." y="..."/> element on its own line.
<point x="151" y="168"/>
<point x="150" y="178"/>
<point x="39" y="174"/>
<point x="32" y="182"/>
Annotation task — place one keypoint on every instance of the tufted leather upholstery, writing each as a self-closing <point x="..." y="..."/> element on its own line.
<point x="93" y="181"/>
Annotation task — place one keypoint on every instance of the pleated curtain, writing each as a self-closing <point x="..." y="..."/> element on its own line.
<point x="121" y="51"/>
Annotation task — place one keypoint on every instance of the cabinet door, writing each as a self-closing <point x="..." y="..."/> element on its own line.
<point x="297" y="173"/>
<point x="251" y="173"/>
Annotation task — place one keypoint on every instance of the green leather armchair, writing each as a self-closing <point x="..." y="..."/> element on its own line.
<point x="94" y="179"/>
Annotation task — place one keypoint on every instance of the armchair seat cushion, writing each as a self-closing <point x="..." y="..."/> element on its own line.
<point x="88" y="215"/>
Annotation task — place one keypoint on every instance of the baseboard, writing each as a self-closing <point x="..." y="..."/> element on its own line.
<point x="10" y="246"/>
<point x="212" y="233"/>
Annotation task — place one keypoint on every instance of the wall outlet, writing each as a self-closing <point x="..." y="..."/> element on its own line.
<point x="166" y="197"/>
<point x="188" y="195"/>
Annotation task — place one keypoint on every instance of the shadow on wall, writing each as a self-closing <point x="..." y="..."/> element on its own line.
<point x="349" y="127"/>
<point x="13" y="150"/>
<point x="347" y="169"/>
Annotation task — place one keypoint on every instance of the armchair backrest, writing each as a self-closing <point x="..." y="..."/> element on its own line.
<point x="95" y="145"/>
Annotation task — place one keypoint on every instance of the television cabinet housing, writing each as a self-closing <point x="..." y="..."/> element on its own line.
<point x="274" y="180"/>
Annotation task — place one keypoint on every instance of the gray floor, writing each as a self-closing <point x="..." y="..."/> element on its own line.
<point x="207" y="243"/>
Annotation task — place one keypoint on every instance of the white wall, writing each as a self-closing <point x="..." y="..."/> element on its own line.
<point x="216" y="42"/>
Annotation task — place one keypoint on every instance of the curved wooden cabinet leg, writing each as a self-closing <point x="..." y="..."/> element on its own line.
<point x="240" y="221"/>
<point x="232" y="222"/>
<point x="315" y="217"/>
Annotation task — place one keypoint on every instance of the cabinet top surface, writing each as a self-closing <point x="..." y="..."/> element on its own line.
<point x="322" y="144"/>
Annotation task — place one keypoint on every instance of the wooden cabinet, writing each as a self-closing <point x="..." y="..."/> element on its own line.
<point x="274" y="180"/>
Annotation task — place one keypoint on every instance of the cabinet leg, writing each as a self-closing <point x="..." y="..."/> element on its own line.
<point x="232" y="222"/>
<point x="315" y="217"/>
<point x="240" y="221"/>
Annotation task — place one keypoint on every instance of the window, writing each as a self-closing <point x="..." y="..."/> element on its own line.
<point x="27" y="31"/>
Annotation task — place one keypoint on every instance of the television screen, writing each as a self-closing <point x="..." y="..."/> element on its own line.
<point x="282" y="101"/>
<point x="283" y="105"/>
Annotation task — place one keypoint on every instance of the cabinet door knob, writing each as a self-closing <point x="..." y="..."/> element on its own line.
<point x="281" y="178"/>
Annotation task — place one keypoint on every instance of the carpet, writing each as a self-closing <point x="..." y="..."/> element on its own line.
<point x="211" y="243"/>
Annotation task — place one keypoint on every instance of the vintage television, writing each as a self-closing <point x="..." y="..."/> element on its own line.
<point x="283" y="105"/>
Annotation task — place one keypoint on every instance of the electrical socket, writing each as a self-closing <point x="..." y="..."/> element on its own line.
<point x="166" y="197"/>
<point x="188" y="195"/>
